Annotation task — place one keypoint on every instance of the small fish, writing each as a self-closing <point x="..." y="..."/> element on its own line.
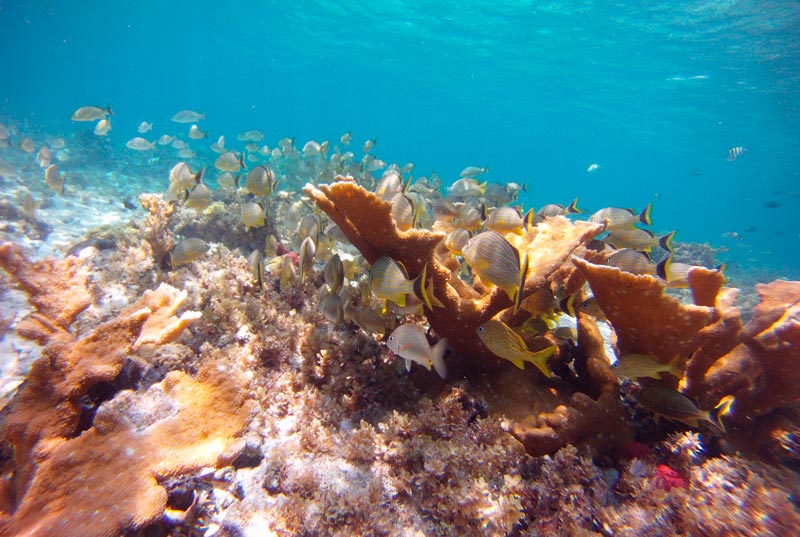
<point x="334" y="273"/>
<point x="255" y="263"/>
<point x="456" y="240"/>
<point x="252" y="215"/>
<point x="390" y="184"/>
<point x="288" y="272"/>
<point x="331" y="306"/>
<point x="556" y="209"/>
<point x="44" y="157"/>
<point x="593" y="167"/>
<point x="403" y="212"/>
<point x="186" y="153"/>
<point x="188" y="116"/>
<point x="144" y="127"/>
<point x="335" y="232"/>
<point x="227" y="180"/>
<point x="635" y="366"/>
<point x="196" y="134"/>
<point x="165" y="139"/>
<point x="219" y="145"/>
<point x="474" y="171"/>
<point x="250" y="136"/>
<point x="639" y="239"/>
<point x="677" y="274"/>
<point x="260" y="181"/>
<point x="444" y="210"/>
<point x="27" y="145"/>
<point x="505" y="343"/>
<point x="467" y="186"/>
<point x="54" y="179"/>
<point x="632" y="261"/>
<point x="735" y="152"/>
<point x="308" y="226"/>
<point x="178" y="144"/>
<point x="29" y="205"/>
<point x="91" y="113"/>
<point x="187" y="251"/>
<point x="229" y="162"/>
<point x="308" y="251"/>
<point x="571" y="307"/>
<point x="675" y="406"/>
<point x="311" y="148"/>
<point x="389" y="280"/>
<point x="369" y="145"/>
<point x="346" y="138"/>
<point x="410" y="343"/>
<point x="140" y="144"/>
<point x="616" y="218"/>
<point x="495" y="260"/>
<point x="200" y="197"/>
<point x="102" y="127"/>
<point x="508" y="220"/>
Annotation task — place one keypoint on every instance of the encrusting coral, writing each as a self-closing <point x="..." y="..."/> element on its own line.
<point x="56" y="472"/>
<point x="156" y="225"/>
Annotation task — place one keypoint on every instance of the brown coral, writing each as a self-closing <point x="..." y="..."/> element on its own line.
<point x="367" y="222"/>
<point x="156" y="226"/>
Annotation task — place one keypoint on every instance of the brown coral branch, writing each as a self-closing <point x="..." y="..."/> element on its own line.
<point x="156" y="225"/>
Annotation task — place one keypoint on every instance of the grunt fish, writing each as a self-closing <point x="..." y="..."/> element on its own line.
<point x="635" y="366"/>
<point x="474" y="171"/>
<point x="229" y="162"/>
<point x="54" y="179"/>
<point x="556" y="209"/>
<point x="140" y="144"/>
<point x="639" y="239"/>
<point x="252" y="215"/>
<point x="615" y="218"/>
<point x="505" y="343"/>
<point x="187" y="251"/>
<point x="495" y="260"/>
<point x="260" y="181"/>
<point x="410" y="343"/>
<point x="675" y="406"/>
<point x="308" y="250"/>
<point x="188" y="116"/>
<point x="632" y="261"/>
<point x="144" y="127"/>
<point x="196" y="134"/>
<point x="102" y="127"/>
<point x="334" y="273"/>
<point x="91" y="113"/>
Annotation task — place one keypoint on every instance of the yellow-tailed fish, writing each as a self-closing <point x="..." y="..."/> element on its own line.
<point x="390" y="184"/>
<point x="260" y="181"/>
<point x="403" y="212"/>
<point x="634" y="366"/>
<point x="288" y="272"/>
<point x="308" y="251"/>
<point x="54" y="179"/>
<point x="571" y="307"/>
<point x="456" y="240"/>
<point x="91" y="113"/>
<point x="228" y="180"/>
<point x="200" y="197"/>
<point x="410" y="343"/>
<point x="632" y="261"/>
<point x="616" y="218"/>
<point x="424" y="290"/>
<point x="334" y="273"/>
<point x="466" y="186"/>
<point x="639" y="239"/>
<point x="252" y="215"/>
<point x="495" y="260"/>
<point x="505" y="343"/>
<point x="675" y="406"/>
<point x="469" y="217"/>
<point x="507" y="220"/>
<point x="388" y="279"/>
<point x="187" y="251"/>
<point x="188" y="116"/>
<point x="444" y="210"/>
<point x="556" y="209"/>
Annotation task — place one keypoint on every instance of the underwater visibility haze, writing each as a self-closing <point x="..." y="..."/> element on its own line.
<point x="174" y="183"/>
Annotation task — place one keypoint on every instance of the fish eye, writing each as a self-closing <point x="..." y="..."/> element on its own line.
<point x="480" y="329"/>
<point x="391" y="338"/>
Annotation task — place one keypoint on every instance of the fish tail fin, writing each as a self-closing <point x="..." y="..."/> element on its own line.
<point x="482" y="187"/>
<point x="408" y="183"/>
<point x="203" y="115"/>
<point x="723" y="408"/>
<point x="486" y="169"/>
<point x="567" y="304"/>
<point x="527" y="220"/>
<point x="518" y="362"/>
<point x="420" y="291"/>
<point x="665" y="241"/>
<point x="523" y="273"/>
<point x="663" y="268"/>
<point x="644" y="216"/>
<point x="109" y="111"/>
<point x="539" y="359"/>
<point x="483" y="212"/>
<point x="572" y="208"/>
<point x="437" y="357"/>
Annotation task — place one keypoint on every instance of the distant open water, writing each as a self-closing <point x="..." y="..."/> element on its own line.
<point x="656" y="93"/>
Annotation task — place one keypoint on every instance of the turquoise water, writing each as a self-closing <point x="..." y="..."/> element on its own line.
<point x="656" y="93"/>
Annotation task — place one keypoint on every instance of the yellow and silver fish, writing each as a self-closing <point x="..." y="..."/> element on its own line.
<point x="334" y="273"/>
<point x="505" y="343"/>
<point x="456" y="240"/>
<point x="91" y="113"/>
<point x="255" y="262"/>
<point x="230" y="162"/>
<point x="200" y="197"/>
<point x="308" y="251"/>
<point x="410" y="343"/>
<point x="187" y="251"/>
<point x="466" y="186"/>
<point x="616" y="218"/>
<point x="508" y="220"/>
<point x="635" y="366"/>
<point x="54" y="179"/>
<point x="103" y="126"/>
<point x="638" y="239"/>
<point x="188" y="116"/>
<point x="196" y="134"/>
<point x="556" y="209"/>
<point x="389" y="280"/>
<point x="632" y="261"/>
<point x="496" y="261"/>
<point x="675" y="406"/>
<point x="260" y="181"/>
<point x="252" y="215"/>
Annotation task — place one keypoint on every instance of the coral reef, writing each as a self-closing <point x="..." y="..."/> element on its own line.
<point x="54" y="448"/>
<point x="157" y="232"/>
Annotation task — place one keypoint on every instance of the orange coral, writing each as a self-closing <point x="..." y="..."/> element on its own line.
<point x="56" y="287"/>
<point x="106" y="480"/>
<point x="156" y="225"/>
<point x="367" y="222"/>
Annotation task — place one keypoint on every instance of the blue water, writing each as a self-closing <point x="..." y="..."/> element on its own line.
<point x="656" y="93"/>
